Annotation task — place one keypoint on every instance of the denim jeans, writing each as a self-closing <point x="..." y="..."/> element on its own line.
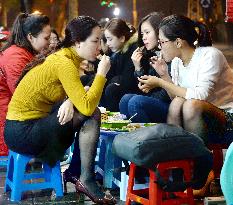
<point x="148" y="109"/>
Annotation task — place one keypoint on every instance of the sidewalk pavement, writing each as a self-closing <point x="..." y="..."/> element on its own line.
<point x="47" y="197"/>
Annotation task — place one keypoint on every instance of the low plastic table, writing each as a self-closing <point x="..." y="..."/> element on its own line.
<point x="108" y="162"/>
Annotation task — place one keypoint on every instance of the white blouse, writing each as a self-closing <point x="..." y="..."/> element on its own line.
<point x="207" y="77"/>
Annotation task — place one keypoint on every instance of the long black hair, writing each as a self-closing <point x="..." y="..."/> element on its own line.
<point x="77" y="30"/>
<point x="154" y="19"/>
<point x="178" y="26"/>
<point x="23" y="25"/>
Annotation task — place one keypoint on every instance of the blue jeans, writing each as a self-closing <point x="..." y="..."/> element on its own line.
<point x="148" y="109"/>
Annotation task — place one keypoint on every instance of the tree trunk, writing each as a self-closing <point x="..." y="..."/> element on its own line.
<point x="26" y="6"/>
<point x="3" y="14"/>
<point x="72" y="9"/>
<point x="59" y="18"/>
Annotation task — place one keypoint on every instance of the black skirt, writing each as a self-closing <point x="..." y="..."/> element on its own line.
<point x="43" y="138"/>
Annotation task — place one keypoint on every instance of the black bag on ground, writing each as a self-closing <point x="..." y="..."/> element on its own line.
<point x="163" y="142"/>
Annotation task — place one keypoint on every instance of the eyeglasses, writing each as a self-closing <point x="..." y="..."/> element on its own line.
<point x="160" y="43"/>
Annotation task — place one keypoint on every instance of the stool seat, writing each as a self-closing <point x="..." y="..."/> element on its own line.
<point x="154" y="195"/>
<point x="17" y="179"/>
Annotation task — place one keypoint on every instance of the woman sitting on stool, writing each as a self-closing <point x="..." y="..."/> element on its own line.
<point x="34" y="128"/>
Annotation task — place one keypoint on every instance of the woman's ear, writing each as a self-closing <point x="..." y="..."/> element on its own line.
<point x="30" y="37"/>
<point x="77" y="44"/>
<point x="122" y="39"/>
<point x="178" y="43"/>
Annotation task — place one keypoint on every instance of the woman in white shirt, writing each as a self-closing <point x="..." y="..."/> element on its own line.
<point x="201" y="85"/>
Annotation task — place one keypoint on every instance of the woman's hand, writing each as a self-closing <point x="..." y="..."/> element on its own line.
<point x="148" y="82"/>
<point x="104" y="65"/>
<point x="143" y="88"/>
<point x="65" y="112"/>
<point x="136" y="58"/>
<point x="85" y="66"/>
<point x="159" y="64"/>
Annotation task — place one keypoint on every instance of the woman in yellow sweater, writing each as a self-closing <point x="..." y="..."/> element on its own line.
<point x="34" y="126"/>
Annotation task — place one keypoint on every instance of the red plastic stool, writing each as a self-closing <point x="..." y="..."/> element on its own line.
<point x="157" y="196"/>
<point x="217" y="157"/>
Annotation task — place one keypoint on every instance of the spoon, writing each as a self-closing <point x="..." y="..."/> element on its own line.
<point x="132" y="116"/>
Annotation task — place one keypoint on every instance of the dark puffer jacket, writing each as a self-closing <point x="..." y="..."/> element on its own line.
<point x="120" y="78"/>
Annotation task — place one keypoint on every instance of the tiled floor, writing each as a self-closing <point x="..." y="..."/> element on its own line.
<point x="46" y="197"/>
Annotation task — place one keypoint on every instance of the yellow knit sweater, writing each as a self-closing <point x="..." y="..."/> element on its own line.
<point x="49" y="83"/>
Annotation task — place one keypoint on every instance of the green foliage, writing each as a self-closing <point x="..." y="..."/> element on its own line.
<point x="107" y="3"/>
<point x="110" y="4"/>
<point x="103" y="3"/>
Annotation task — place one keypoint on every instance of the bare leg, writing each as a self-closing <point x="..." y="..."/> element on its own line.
<point x="203" y="119"/>
<point x="175" y="111"/>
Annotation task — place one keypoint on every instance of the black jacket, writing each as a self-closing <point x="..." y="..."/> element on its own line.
<point x="122" y="67"/>
<point x="147" y="69"/>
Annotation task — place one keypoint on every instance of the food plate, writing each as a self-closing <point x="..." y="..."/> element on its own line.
<point x="114" y="129"/>
<point x="115" y="124"/>
<point x="113" y="113"/>
<point x="149" y="124"/>
<point x="123" y="125"/>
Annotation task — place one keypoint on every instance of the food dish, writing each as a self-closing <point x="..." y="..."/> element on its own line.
<point x="115" y="124"/>
<point x="124" y="126"/>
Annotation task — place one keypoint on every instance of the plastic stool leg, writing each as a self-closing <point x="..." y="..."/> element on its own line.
<point x="130" y="183"/>
<point x="109" y="165"/>
<point x="123" y="186"/>
<point x="57" y="179"/>
<point x="18" y="176"/>
<point x="9" y="174"/>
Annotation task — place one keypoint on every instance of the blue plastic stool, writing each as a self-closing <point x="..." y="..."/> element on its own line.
<point x="107" y="162"/>
<point x="3" y="161"/>
<point x="16" y="176"/>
